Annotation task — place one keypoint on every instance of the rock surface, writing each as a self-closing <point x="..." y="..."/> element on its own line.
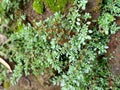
<point x="118" y="20"/>
<point x="3" y="38"/>
<point x="94" y="8"/>
<point x="114" y="53"/>
<point x="32" y="83"/>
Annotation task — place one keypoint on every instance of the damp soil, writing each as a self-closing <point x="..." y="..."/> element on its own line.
<point x="114" y="53"/>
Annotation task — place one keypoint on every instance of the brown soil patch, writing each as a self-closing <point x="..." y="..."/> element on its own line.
<point x="32" y="83"/>
<point x="94" y="8"/>
<point x="118" y="20"/>
<point x="114" y="53"/>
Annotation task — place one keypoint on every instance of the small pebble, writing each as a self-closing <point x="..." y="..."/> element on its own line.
<point x="3" y="38"/>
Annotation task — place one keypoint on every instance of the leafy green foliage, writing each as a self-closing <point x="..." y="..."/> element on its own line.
<point x="77" y="64"/>
<point x="104" y="22"/>
<point x="112" y="6"/>
<point x="111" y="10"/>
<point x="8" y="8"/>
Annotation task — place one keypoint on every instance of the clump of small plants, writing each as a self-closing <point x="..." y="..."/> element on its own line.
<point x="62" y="46"/>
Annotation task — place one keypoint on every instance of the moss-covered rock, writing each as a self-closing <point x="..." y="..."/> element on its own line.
<point x="38" y="6"/>
<point x="54" y="5"/>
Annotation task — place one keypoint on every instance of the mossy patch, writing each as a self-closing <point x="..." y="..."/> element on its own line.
<point x="54" y="5"/>
<point x="38" y="6"/>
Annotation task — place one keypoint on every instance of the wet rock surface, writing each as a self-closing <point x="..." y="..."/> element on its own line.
<point x="114" y="53"/>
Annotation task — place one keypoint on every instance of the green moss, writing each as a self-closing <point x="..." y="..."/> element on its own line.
<point x="38" y="6"/>
<point x="54" y="5"/>
<point x="71" y="1"/>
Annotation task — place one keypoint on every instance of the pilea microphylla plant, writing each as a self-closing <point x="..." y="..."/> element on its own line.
<point x="75" y="61"/>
